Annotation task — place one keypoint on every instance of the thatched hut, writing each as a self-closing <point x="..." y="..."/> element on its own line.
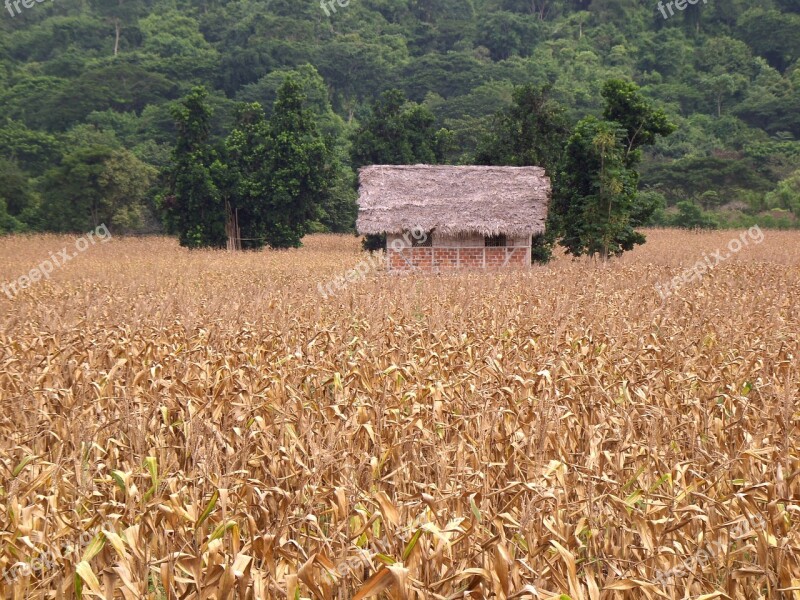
<point x="442" y="217"/>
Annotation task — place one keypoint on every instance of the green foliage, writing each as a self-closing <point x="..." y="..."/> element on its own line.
<point x="530" y="132"/>
<point x="691" y="216"/>
<point x="15" y="189"/>
<point x="649" y="209"/>
<point x="397" y="132"/>
<point x="299" y="168"/>
<point x="272" y="179"/>
<point x="8" y="224"/>
<point x="195" y="208"/>
<point x="727" y="73"/>
<point x="173" y="45"/>
<point x="596" y="192"/>
<point x="772" y="34"/>
<point x="596" y="206"/>
<point x="627" y="106"/>
<point x="786" y="195"/>
<point x="690" y="177"/>
<point x="94" y="185"/>
<point x="506" y="34"/>
<point x="244" y="182"/>
<point x="17" y="200"/>
<point x="34" y="151"/>
<point x="337" y="207"/>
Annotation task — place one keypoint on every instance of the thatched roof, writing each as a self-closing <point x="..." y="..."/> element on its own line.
<point x="453" y="200"/>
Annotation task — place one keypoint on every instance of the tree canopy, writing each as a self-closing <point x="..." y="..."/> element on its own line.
<point x="90" y="90"/>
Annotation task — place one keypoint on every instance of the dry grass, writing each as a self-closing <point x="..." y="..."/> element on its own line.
<point x="222" y="431"/>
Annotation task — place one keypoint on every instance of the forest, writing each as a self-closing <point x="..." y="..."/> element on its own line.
<point x="93" y="93"/>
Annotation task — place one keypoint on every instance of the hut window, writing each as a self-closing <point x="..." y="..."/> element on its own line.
<point x="422" y="241"/>
<point x="496" y="240"/>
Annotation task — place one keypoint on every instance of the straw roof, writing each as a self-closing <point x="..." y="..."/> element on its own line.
<point x="453" y="200"/>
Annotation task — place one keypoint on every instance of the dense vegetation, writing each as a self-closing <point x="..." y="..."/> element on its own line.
<point x="91" y="94"/>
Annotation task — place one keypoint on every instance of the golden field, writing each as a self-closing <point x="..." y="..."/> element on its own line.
<point x="179" y="424"/>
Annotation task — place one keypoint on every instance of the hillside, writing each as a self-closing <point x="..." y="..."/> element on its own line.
<point x="85" y="85"/>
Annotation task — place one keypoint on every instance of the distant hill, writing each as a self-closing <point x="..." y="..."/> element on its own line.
<point x="89" y="74"/>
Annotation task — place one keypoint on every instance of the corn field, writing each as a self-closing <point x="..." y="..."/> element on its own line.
<point x="207" y="425"/>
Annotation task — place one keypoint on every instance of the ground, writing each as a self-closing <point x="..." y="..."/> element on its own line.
<point x="175" y="421"/>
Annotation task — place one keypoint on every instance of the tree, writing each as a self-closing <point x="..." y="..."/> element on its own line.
<point x="119" y="86"/>
<point x="772" y="34"/>
<point x="396" y="132"/>
<point x="8" y="224"/>
<point x="338" y="207"/>
<point x="247" y="150"/>
<point x="355" y="67"/>
<point x="118" y="13"/>
<point x="595" y="204"/>
<point x="726" y="65"/>
<point x="596" y="195"/>
<point x="531" y="132"/>
<point x="174" y="46"/>
<point x="96" y="185"/>
<point x="786" y="195"/>
<point x="641" y="122"/>
<point x="195" y="207"/>
<point x="32" y="150"/>
<point x="16" y="198"/>
<point x="691" y="216"/>
<point x="506" y="34"/>
<point x="649" y="209"/>
<point x="298" y="167"/>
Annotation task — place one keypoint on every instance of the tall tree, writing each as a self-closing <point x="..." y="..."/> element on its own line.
<point x="247" y="149"/>
<point x="531" y="132"/>
<point x="640" y="120"/>
<point x="595" y="204"/>
<point x="120" y="14"/>
<point x="298" y="167"/>
<point x="338" y="207"/>
<point x="596" y="192"/>
<point x="195" y="207"/>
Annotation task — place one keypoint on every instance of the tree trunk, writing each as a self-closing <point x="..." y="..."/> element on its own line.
<point x="232" y="229"/>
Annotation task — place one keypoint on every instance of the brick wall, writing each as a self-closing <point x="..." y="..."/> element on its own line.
<point x="448" y="258"/>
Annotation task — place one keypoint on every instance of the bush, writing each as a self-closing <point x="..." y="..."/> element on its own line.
<point x="691" y="216"/>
